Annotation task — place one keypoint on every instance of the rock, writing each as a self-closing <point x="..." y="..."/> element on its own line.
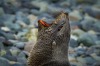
<point x="54" y="10"/>
<point x="2" y="52"/>
<point x="73" y="43"/>
<point x="14" y="51"/>
<point x="98" y="36"/>
<point x="10" y="8"/>
<point x="18" y="64"/>
<point x="81" y="60"/>
<point x="94" y="56"/>
<point x="20" y="16"/>
<point x="6" y="34"/>
<point x="87" y="39"/>
<point x="43" y="5"/>
<point x="32" y="18"/>
<point x="20" y="45"/>
<point x="92" y="11"/>
<point x="90" y="25"/>
<point x="8" y="19"/>
<point x="5" y="29"/>
<point x="35" y="12"/>
<point x="86" y="1"/>
<point x="22" y="58"/>
<point x="64" y="4"/>
<point x="21" y="34"/>
<point x="77" y="32"/>
<point x="94" y="49"/>
<point x="80" y="50"/>
<point x="74" y="37"/>
<point x="1" y="46"/>
<point x="1" y="11"/>
<point x="9" y="56"/>
<point x="32" y="34"/>
<point x="75" y="16"/>
<point x="4" y="62"/>
<point x="7" y="43"/>
<point x="15" y="27"/>
<point x="97" y="42"/>
<point x="43" y="8"/>
<point x="26" y="53"/>
<point x="90" y="60"/>
<point x="96" y="64"/>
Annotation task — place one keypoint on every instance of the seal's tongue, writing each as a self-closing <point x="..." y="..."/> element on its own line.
<point x="43" y="23"/>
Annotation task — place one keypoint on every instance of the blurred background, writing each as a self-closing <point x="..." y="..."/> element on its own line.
<point x="19" y="29"/>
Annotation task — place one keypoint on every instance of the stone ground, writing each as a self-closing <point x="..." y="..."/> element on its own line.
<point x="19" y="29"/>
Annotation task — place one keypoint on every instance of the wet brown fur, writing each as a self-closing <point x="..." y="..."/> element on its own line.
<point x="51" y="48"/>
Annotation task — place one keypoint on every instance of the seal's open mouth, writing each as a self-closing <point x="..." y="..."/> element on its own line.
<point x="45" y="24"/>
<point x="56" y="25"/>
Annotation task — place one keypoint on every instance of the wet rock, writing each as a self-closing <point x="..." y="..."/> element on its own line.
<point x="22" y="17"/>
<point x="87" y="39"/>
<point x="90" y="25"/>
<point x="1" y="11"/>
<point x="32" y="34"/>
<point x="22" y="58"/>
<point x="81" y="60"/>
<point x="18" y="64"/>
<point x="10" y="7"/>
<point x="7" y="43"/>
<point x="55" y="10"/>
<point x="92" y="11"/>
<point x="73" y="43"/>
<point x="2" y="52"/>
<point x="4" y="62"/>
<point x="5" y="29"/>
<point x="20" y="45"/>
<point x="94" y="49"/>
<point x="94" y="56"/>
<point x="14" y="51"/>
<point x="90" y="60"/>
<point x="75" y="16"/>
<point x="9" y="56"/>
<point x="34" y="11"/>
<point x="43" y="5"/>
<point x="96" y="64"/>
<point x="80" y="50"/>
<point x="1" y="45"/>
<point x="86" y="1"/>
<point x="98" y="36"/>
<point x="77" y="32"/>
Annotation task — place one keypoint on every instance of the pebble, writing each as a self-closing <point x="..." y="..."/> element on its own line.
<point x="80" y="50"/>
<point x="4" y="62"/>
<point x="90" y="25"/>
<point x="1" y="11"/>
<point x="22" y="58"/>
<point x="20" y="45"/>
<point x="19" y="29"/>
<point x="1" y="45"/>
<point x="75" y="16"/>
<point x="14" y="51"/>
<point x="73" y="43"/>
<point x="18" y="64"/>
<point x="87" y="39"/>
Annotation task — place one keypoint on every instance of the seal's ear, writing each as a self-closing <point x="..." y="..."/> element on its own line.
<point x="42" y="24"/>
